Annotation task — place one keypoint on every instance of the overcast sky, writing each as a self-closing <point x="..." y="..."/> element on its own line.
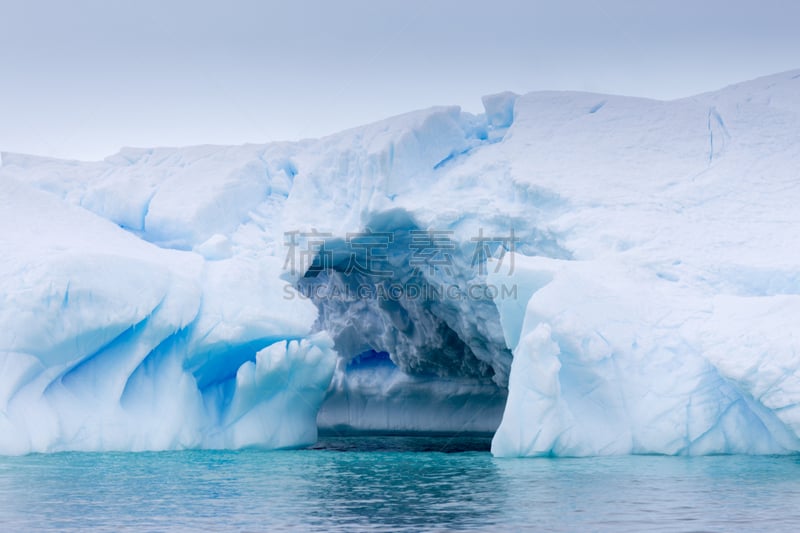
<point x="82" y="78"/>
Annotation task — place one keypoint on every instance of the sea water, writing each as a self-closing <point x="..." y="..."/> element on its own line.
<point x="395" y="484"/>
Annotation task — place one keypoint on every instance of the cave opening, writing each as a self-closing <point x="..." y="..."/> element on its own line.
<point x="419" y="355"/>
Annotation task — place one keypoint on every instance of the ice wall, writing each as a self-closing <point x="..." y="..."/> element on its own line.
<point x="151" y="300"/>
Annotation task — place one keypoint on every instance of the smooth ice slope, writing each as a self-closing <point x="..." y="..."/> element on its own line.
<point x="148" y="301"/>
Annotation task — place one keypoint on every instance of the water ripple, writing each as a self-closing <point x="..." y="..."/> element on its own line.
<point x="342" y="488"/>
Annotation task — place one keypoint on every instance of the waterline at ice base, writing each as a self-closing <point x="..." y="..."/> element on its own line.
<point x="577" y="274"/>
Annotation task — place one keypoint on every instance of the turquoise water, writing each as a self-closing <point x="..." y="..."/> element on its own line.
<point x="395" y="484"/>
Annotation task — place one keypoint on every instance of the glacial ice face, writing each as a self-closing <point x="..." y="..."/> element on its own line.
<point x="614" y="376"/>
<point x="109" y="342"/>
<point x="148" y="301"/>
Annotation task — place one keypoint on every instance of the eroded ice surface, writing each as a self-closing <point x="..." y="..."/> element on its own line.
<point x="148" y="301"/>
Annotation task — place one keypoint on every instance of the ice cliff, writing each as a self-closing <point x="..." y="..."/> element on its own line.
<point x="595" y="274"/>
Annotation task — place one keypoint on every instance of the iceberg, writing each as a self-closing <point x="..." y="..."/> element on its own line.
<point x="577" y="274"/>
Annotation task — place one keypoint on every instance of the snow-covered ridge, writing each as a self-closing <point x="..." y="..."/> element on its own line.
<point x="148" y="301"/>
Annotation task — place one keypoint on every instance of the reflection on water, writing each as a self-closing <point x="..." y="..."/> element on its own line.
<point x="403" y="443"/>
<point x="398" y="485"/>
<point x="394" y="489"/>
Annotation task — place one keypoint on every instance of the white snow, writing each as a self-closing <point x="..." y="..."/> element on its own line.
<point x="148" y="301"/>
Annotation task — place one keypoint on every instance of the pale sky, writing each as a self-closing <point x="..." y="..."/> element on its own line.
<point x="82" y="78"/>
